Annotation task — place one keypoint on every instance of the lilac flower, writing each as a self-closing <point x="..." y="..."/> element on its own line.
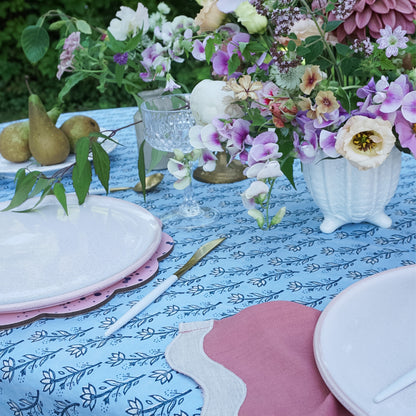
<point x="392" y="41"/>
<point x="121" y="58"/>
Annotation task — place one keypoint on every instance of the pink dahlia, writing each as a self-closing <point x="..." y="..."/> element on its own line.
<point x="375" y="15"/>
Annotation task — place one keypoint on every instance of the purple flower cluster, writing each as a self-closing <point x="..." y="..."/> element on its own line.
<point x="394" y="101"/>
<point x="121" y="58"/>
<point x="318" y="134"/>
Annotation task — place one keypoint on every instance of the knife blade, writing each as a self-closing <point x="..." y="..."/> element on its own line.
<point x="162" y="287"/>
<point x="399" y="384"/>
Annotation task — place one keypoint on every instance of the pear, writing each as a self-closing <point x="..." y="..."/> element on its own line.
<point x="77" y="127"/>
<point x="14" y="139"/>
<point x="48" y="144"/>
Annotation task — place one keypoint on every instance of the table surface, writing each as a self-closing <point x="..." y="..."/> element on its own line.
<point x="65" y="366"/>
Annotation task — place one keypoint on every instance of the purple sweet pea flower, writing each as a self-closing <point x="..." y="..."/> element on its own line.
<point x="369" y="89"/>
<point x="211" y="138"/>
<point x="198" y="50"/>
<point x="264" y="147"/>
<point x="409" y="107"/>
<point x="327" y="141"/>
<point x="228" y="6"/>
<point x="255" y="190"/>
<point x="406" y="133"/>
<point x="220" y="63"/>
<point x="239" y="131"/>
<point x="306" y="149"/>
<point x="121" y="58"/>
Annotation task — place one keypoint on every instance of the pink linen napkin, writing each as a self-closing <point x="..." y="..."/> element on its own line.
<point x="257" y="362"/>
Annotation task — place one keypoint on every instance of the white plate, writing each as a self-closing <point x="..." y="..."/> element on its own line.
<point x="366" y="338"/>
<point x="48" y="257"/>
<point x="8" y="168"/>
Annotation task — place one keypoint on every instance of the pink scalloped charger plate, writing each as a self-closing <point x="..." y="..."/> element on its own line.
<point x="87" y="303"/>
<point x="48" y="258"/>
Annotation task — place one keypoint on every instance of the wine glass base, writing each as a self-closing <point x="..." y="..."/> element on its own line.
<point x="190" y="219"/>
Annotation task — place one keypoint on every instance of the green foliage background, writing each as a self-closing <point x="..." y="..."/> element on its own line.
<point x="15" y="15"/>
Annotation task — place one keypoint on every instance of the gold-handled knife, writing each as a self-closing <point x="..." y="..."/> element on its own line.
<point x="157" y="291"/>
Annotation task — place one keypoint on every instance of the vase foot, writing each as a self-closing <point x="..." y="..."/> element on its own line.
<point x="330" y="224"/>
<point x="381" y="219"/>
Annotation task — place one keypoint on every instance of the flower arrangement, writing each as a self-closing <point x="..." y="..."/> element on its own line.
<point x="304" y="79"/>
<point x="137" y="49"/>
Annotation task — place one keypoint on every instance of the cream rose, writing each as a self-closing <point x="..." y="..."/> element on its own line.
<point x="365" y="142"/>
<point x="250" y="19"/>
<point x="209" y="18"/>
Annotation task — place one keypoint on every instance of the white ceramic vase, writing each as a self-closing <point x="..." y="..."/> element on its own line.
<point x="346" y="194"/>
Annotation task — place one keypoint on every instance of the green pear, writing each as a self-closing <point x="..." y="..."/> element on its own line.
<point x="14" y="139"/>
<point x="79" y="126"/>
<point x="48" y="144"/>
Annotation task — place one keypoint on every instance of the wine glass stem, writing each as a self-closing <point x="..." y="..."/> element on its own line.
<point x="189" y="206"/>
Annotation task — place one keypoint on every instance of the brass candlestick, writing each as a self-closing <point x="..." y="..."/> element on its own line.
<point x="222" y="173"/>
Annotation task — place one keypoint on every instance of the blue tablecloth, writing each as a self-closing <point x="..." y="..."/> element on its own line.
<point x="65" y="366"/>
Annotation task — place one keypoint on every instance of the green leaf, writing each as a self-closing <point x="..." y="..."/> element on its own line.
<point x="233" y="63"/>
<point x="59" y="192"/>
<point x="23" y="187"/>
<point x="82" y="173"/>
<point x="41" y="184"/>
<point x="332" y="25"/>
<point x="343" y="50"/>
<point x="57" y="25"/>
<point x="70" y="82"/>
<point x="132" y="43"/>
<point x="119" y="74"/>
<point x="35" y="43"/>
<point x="291" y="46"/>
<point x="101" y="164"/>
<point x="156" y="157"/>
<point x="209" y="49"/>
<point x="115" y="45"/>
<point x="83" y="27"/>
<point x="142" y="169"/>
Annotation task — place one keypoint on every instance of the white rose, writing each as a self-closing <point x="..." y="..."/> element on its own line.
<point x="209" y="100"/>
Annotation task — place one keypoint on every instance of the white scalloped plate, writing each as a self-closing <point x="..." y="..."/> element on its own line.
<point x="48" y="257"/>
